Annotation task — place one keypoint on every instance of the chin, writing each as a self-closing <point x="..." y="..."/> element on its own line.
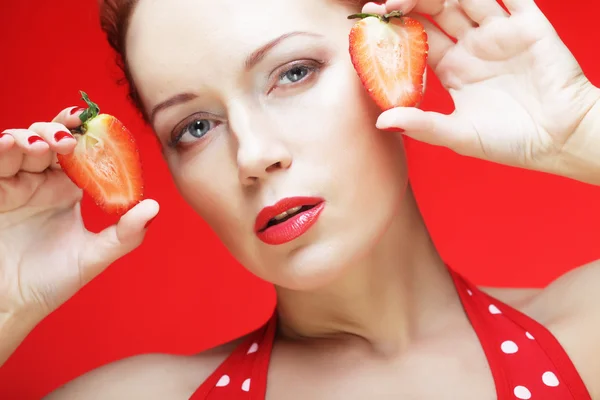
<point x="325" y="260"/>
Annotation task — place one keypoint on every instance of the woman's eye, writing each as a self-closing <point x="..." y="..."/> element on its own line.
<point x="194" y="131"/>
<point x="295" y="74"/>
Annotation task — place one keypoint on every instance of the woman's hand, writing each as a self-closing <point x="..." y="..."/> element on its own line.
<point x="46" y="254"/>
<point x="519" y="94"/>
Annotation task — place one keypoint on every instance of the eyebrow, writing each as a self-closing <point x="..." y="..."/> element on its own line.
<point x="251" y="61"/>
<point x="170" y="102"/>
<point x="259" y="54"/>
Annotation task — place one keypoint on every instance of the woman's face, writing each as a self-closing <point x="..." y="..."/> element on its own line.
<point x="262" y="104"/>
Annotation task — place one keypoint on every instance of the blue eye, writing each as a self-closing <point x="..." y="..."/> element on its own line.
<point x="193" y="131"/>
<point x="198" y="128"/>
<point x="295" y="74"/>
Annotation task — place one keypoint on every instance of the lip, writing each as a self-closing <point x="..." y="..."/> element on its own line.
<point x="293" y="227"/>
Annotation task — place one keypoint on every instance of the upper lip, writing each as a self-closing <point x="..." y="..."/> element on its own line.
<point x="265" y="215"/>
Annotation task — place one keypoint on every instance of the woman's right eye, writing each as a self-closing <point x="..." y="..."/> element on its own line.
<point x="193" y="131"/>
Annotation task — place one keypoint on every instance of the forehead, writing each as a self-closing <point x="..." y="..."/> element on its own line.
<point x="169" y="38"/>
<point x="232" y="16"/>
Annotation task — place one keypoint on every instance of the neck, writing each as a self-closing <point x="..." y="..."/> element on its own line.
<point x="399" y="291"/>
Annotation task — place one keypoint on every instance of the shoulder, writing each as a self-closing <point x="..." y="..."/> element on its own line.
<point x="570" y="308"/>
<point x="148" y="376"/>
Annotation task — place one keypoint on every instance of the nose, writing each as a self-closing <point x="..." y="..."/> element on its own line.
<point x="260" y="154"/>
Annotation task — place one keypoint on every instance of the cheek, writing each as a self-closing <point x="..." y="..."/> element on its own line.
<point x="367" y="165"/>
<point x="208" y="183"/>
<point x="374" y="159"/>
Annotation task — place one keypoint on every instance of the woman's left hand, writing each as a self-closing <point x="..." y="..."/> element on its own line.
<point x="519" y="93"/>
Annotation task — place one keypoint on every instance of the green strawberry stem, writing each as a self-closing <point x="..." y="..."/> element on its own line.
<point x="88" y="114"/>
<point x="91" y="112"/>
<point x="383" y="18"/>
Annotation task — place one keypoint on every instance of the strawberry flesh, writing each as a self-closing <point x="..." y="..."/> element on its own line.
<point x="390" y="57"/>
<point x="106" y="164"/>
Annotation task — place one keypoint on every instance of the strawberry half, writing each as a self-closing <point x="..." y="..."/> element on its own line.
<point x="389" y="53"/>
<point x="105" y="162"/>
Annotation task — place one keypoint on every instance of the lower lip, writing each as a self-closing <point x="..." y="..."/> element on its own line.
<point x="292" y="228"/>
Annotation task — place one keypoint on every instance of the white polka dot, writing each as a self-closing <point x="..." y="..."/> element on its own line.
<point x="253" y="348"/>
<point x="224" y="381"/>
<point x="246" y="385"/>
<point x="509" y="347"/>
<point x="521" y="392"/>
<point x="494" y="310"/>
<point x="529" y="336"/>
<point x="469" y="292"/>
<point x="550" y="379"/>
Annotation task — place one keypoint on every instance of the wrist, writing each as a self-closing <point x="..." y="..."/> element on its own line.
<point x="579" y="158"/>
<point x="13" y="330"/>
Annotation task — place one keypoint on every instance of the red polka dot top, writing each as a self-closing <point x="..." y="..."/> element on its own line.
<point x="526" y="361"/>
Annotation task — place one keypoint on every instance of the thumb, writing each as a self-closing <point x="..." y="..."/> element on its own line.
<point x="114" y="242"/>
<point x="428" y="127"/>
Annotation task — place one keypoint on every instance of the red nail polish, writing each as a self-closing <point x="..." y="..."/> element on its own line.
<point x="149" y="222"/>
<point x="76" y="110"/>
<point x="399" y="130"/>
<point x="33" y="139"/>
<point x="60" y="135"/>
<point x="1" y="135"/>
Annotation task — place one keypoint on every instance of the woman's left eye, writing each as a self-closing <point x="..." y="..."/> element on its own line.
<point x="195" y="130"/>
<point x="295" y="74"/>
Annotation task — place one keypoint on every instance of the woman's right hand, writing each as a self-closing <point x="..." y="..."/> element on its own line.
<point x="46" y="253"/>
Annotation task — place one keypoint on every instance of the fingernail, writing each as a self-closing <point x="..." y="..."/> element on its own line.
<point x="76" y="110"/>
<point x="148" y="223"/>
<point x="60" y="135"/>
<point x="1" y="135"/>
<point x="33" y="139"/>
<point x="395" y="130"/>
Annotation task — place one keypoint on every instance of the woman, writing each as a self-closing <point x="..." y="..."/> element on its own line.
<point x="366" y="307"/>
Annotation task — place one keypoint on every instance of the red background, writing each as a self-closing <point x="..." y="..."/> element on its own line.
<point x="181" y="292"/>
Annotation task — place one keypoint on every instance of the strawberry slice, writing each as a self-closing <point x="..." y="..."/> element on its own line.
<point x="105" y="162"/>
<point x="389" y="53"/>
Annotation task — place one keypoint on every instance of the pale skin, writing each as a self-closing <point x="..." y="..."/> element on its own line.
<point x="260" y="148"/>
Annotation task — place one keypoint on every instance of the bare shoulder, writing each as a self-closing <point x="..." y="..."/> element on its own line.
<point x="148" y="376"/>
<point x="570" y="308"/>
<point x="571" y="296"/>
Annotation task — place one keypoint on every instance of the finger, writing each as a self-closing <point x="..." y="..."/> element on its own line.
<point x="10" y="156"/>
<point x="69" y="117"/>
<point x="439" y="42"/>
<point x="374" y="8"/>
<point x="28" y="141"/>
<point x="430" y="7"/>
<point x="54" y="164"/>
<point x="482" y="10"/>
<point x="56" y="135"/>
<point x="453" y="20"/>
<point x="500" y="40"/>
<point x="515" y="6"/>
<point x="6" y="142"/>
<point x="36" y="152"/>
<point x="114" y="242"/>
<point x="431" y="127"/>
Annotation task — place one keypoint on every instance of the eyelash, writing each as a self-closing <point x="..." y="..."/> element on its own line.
<point x="311" y="66"/>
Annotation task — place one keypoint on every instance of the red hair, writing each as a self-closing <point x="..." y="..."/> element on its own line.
<point x="114" y="20"/>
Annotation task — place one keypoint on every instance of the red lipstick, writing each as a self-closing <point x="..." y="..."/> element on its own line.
<point x="287" y="219"/>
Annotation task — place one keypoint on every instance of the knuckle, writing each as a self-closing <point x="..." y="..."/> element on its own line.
<point x="37" y="126"/>
<point x="63" y="115"/>
<point x="57" y="126"/>
<point x="46" y="127"/>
